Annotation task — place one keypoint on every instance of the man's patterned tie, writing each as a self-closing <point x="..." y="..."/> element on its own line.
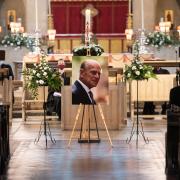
<point x="92" y="99"/>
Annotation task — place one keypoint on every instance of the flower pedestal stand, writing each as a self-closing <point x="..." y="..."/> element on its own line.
<point x="44" y="127"/>
<point x="137" y="127"/>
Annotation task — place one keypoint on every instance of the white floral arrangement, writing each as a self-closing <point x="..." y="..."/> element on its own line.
<point x="158" y="39"/>
<point x="41" y="74"/>
<point x="137" y="70"/>
<point x="18" y="40"/>
<point x="95" y="50"/>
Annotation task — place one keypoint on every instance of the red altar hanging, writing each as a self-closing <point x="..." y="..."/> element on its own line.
<point x="111" y="18"/>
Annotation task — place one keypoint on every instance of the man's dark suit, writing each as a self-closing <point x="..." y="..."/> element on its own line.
<point x="175" y="96"/>
<point x="79" y="95"/>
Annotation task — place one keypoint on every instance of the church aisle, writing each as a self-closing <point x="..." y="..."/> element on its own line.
<point x="31" y="161"/>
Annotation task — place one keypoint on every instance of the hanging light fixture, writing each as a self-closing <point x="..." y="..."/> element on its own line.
<point x="0" y="29"/>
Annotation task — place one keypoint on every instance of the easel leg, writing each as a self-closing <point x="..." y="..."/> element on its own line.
<point x="82" y="122"/>
<point x="77" y="116"/>
<point x="95" y="121"/>
<point x="102" y="116"/>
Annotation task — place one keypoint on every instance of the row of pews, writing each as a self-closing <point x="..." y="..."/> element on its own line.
<point x="173" y="144"/>
<point x="5" y="101"/>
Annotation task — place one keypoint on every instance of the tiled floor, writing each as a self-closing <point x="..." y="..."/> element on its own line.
<point x="87" y="161"/>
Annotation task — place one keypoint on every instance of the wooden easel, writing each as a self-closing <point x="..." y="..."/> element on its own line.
<point x="85" y="132"/>
<point x="83" y="137"/>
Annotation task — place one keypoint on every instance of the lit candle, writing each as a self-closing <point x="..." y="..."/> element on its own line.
<point x="88" y="18"/>
<point x="49" y="6"/>
<point x="87" y="25"/>
<point x="36" y="9"/>
<point x="142" y="14"/>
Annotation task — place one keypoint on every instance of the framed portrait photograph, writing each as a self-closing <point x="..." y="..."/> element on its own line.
<point x="90" y="80"/>
<point x="11" y="16"/>
<point x="169" y="15"/>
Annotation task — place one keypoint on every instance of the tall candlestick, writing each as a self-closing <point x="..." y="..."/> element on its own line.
<point x="142" y="14"/>
<point x="129" y="7"/>
<point x="36" y="10"/>
<point x="49" y="6"/>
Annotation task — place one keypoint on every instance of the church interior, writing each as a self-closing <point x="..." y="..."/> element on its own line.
<point x="90" y="89"/>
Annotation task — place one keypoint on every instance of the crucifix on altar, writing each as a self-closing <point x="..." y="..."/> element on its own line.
<point x="89" y="12"/>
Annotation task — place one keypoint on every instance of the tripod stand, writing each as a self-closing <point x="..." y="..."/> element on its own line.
<point x="44" y="127"/>
<point x="136" y="123"/>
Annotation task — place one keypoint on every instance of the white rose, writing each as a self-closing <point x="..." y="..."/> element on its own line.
<point x="45" y="73"/>
<point x="137" y="73"/>
<point x="129" y="74"/>
<point x="134" y="67"/>
<point x="41" y="82"/>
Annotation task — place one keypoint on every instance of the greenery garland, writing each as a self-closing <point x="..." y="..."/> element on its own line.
<point x="18" y="40"/>
<point x="158" y="39"/>
<point x="95" y="50"/>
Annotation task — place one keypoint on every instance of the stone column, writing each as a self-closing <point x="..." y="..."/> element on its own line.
<point x="42" y="15"/>
<point x="149" y="14"/>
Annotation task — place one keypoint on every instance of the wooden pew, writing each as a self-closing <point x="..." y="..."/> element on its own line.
<point x="152" y="89"/>
<point x="6" y="94"/>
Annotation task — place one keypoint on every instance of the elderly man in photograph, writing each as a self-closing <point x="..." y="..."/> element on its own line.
<point x="89" y="76"/>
